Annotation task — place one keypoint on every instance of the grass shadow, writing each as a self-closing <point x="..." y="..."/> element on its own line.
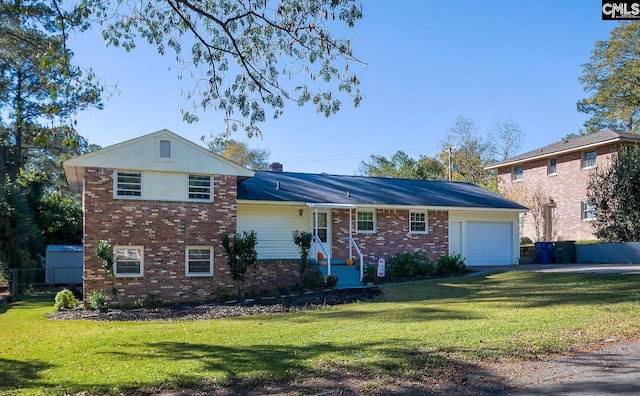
<point x="15" y="372"/>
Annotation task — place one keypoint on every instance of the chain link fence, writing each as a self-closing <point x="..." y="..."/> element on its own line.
<point x="45" y="279"/>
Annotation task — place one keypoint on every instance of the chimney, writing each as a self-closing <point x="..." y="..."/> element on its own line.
<point x="275" y="167"/>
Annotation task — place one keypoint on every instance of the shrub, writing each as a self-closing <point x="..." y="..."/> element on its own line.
<point x="150" y="301"/>
<point x="303" y="240"/>
<point x="313" y="280"/>
<point x="409" y="265"/>
<point x="369" y="275"/>
<point x="241" y="253"/>
<point x="223" y="295"/>
<point x="450" y="264"/>
<point x="98" y="300"/>
<point x="330" y="281"/>
<point x="65" y="300"/>
<point x="526" y="241"/>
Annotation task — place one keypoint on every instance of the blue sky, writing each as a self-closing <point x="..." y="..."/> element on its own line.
<point x="428" y="63"/>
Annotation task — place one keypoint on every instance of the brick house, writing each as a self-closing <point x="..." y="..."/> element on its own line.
<point x="163" y="203"/>
<point x="552" y="182"/>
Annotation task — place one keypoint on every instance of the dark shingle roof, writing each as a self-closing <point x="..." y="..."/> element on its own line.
<point x="360" y="190"/>
<point x="591" y="139"/>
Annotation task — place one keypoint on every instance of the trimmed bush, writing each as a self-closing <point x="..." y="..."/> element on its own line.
<point x="409" y="265"/>
<point x="313" y="280"/>
<point x="450" y="264"/>
<point x="65" y="300"/>
<point x="98" y="300"/>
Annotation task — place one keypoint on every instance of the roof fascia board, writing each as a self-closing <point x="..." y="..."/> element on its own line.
<point x="384" y="206"/>
<point x="556" y="153"/>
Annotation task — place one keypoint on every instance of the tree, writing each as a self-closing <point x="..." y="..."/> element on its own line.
<point x="241" y="253"/>
<point x="506" y="138"/>
<point x="469" y="155"/>
<point x="21" y="241"/>
<point x="611" y="79"/>
<point x="613" y="192"/>
<point x="239" y="152"/>
<point x="401" y="166"/>
<point x="246" y="56"/>
<point x="303" y="240"/>
<point x="40" y="88"/>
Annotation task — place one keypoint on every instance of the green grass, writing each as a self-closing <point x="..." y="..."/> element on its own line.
<point x="415" y="329"/>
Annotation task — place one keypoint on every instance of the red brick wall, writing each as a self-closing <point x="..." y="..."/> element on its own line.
<point x="164" y="229"/>
<point x="392" y="235"/>
<point x="568" y="188"/>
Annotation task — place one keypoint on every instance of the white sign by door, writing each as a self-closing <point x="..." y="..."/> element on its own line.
<point x="381" y="269"/>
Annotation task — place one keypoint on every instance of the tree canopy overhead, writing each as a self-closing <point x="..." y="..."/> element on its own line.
<point x="247" y="56"/>
<point x="612" y="78"/>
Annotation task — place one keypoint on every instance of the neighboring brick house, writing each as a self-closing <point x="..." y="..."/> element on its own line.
<point x="163" y="203"/>
<point x="552" y="182"/>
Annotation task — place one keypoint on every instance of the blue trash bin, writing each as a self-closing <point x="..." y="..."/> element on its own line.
<point x="544" y="252"/>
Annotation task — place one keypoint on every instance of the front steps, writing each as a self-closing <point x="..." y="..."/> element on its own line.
<point x="348" y="275"/>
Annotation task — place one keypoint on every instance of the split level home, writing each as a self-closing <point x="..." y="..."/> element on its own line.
<point x="164" y="203"/>
<point x="552" y="182"/>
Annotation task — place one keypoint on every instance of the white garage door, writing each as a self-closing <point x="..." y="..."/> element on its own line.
<point x="488" y="243"/>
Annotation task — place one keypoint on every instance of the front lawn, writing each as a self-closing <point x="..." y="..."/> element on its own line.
<point x="414" y="330"/>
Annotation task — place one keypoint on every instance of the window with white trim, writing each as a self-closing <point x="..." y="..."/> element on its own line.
<point x="199" y="261"/>
<point x="588" y="211"/>
<point x="128" y="261"/>
<point x="365" y="221"/>
<point x="128" y="184"/>
<point x="200" y="187"/>
<point x="418" y="223"/>
<point x="517" y="173"/>
<point x="589" y="159"/>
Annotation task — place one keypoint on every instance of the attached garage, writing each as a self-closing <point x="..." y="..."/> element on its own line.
<point x="484" y="239"/>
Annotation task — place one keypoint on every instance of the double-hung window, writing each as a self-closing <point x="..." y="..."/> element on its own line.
<point x="200" y="187"/>
<point x="199" y="261"/>
<point x="128" y="184"/>
<point x="518" y="173"/>
<point x="589" y="159"/>
<point x="128" y="261"/>
<point x="365" y="221"/>
<point x="588" y="211"/>
<point x="418" y="223"/>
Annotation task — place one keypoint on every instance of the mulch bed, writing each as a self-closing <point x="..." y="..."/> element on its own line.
<point x="199" y="311"/>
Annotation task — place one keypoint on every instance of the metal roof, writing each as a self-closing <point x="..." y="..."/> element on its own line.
<point x="361" y="190"/>
<point x="573" y="144"/>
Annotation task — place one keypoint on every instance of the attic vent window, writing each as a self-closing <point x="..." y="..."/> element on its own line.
<point x="165" y="149"/>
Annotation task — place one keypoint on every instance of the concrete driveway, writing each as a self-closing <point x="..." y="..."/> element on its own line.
<point x="578" y="268"/>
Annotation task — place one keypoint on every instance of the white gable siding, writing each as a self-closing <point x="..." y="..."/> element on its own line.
<point x="273" y="225"/>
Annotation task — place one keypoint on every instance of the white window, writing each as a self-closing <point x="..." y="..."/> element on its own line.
<point x="200" y="187"/>
<point x="517" y="173"/>
<point x="128" y="261"/>
<point x="165" y="149"/>
<point x="128" y="184"/>
<point x="418" y="223"/>
<point x="199" y="261"/>
<point x="365" y="221"/>
<point x="588" y="211"/>
<point x="589" y="159"/>
<point x="552" y="166"/>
